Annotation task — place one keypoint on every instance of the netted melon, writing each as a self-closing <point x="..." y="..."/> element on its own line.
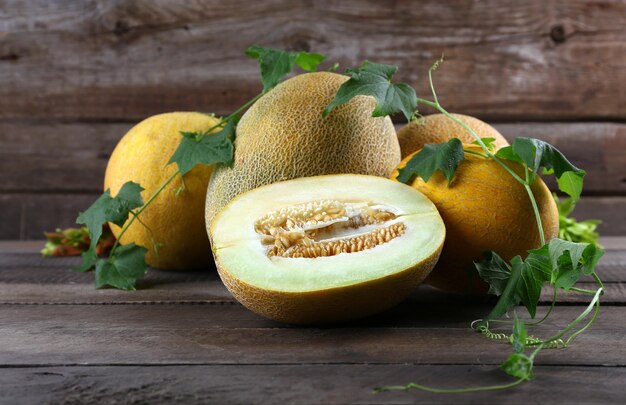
<point x="173" y="224"/>
<point x="284" y="136"/>
<point x="327" y="248"/>
<point x="438" y="128"/>
<point x="484" y="208"/>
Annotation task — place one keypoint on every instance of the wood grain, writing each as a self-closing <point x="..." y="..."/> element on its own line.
<point x="560" y="59"/>
<point x="71" y="157"/>
<point x="27" y="216"/>
<point x="27" y="278"/>
<point x="200" y="334"/>
<point x="301" y="384"/>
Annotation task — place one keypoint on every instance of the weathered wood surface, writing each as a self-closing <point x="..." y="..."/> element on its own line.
<point x="50" y="171"/>
<point x="560" y="59"/>
<point x="182" y="338"/>
<point x="294" y="384"/>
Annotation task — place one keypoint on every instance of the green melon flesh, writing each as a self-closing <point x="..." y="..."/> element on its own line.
<point x="331" y="288"/>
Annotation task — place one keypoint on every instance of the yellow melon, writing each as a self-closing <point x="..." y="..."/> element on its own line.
<point x="484" y="208"/>
<point x="284" y="136"/>
<point x="326" y="248"/>
<point x="438" y="128"/>
<point x="176" y="223"/>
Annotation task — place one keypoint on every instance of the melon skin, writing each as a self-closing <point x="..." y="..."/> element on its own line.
<point x="484" y="208"/>
<point x="176" y="221"/>
<point x="438" y="128"/>
<point x="320" y="303"/>
<point x="284" y="136"/>
<point x="331" y="305"/>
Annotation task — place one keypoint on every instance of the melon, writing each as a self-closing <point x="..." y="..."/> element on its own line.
<point x="484" y="208"/>
<point x="284" y="136"/>
<point x="438" y="128"/>
<point x="171" y="227"/>
<point x="327" y="248"/>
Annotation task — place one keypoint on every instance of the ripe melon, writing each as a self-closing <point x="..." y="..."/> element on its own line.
<point x="438" y="128"/>
<point x="484" y="208"/>
<point x="175" y="222"/>
<point x="327" y="248"/>
<point x="284" y="136"/>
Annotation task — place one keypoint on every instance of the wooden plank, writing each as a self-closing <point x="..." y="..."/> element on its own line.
<point x="202" y="334"/>
<point x="527" y="60"/>
<point x="55" y="156"/>
<point x="27" y="278"/>
<point x="302" y="384"/>
<point x="27" y="216"/>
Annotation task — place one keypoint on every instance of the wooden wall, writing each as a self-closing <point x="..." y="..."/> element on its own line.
<point x="75" y="75"/>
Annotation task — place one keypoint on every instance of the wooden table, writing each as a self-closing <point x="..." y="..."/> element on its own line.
<point x="182" y="338"/>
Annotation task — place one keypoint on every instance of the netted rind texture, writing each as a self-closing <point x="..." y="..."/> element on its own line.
<point x="284" y="136"/>
<point x="438" y="128"/>
<point x="332" y="305"/>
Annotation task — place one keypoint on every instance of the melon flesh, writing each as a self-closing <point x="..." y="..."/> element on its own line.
<point x="339" y="286"/>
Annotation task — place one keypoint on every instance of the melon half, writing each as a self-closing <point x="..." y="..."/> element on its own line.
<point x="327" y="248"/>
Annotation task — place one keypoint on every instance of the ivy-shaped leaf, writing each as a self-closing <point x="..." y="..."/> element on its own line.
<point x="444" y="157"/>
<point x="204" y="148"/>
<point x="123" y="268"/>
<point x="374" y="79"/>
<point x="107" y="209"/>
<point x="276" y="63"/>
<point x="536" y="154"/>
<point x="495" y="271"/>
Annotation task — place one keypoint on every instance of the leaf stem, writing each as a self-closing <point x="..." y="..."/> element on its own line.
<point x="542" y="237"/>
<point x="473" y="152"/>
<point x="480" y="142"/>
<point x="450" y="390"/>
<point x="141" y="209"/>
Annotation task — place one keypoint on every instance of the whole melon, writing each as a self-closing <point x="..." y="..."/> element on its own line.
<point x="284" y="136"/>
<point x="175" y="223"/>
<point x="438" y="128"/>
<point x="484" y="208"/>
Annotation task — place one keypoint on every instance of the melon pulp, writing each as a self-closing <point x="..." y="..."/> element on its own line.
<point x="327" y="248"/>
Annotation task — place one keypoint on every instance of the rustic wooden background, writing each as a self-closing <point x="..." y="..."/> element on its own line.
<point x="76" y="75"/>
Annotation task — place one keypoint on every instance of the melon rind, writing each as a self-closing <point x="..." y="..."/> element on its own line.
<point x="326" y="289"/>
<point x="284" y="136"/>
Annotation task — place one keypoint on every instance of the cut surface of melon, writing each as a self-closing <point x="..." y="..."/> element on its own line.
<point x="315" y="241"/>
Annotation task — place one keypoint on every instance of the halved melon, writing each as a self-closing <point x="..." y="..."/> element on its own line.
<point x="326" y="248"/>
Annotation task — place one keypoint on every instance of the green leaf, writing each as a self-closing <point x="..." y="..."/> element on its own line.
<point x="495" y="271"/>
<point x="509" y="297"/>
<point x="518" y="365"/>
<point x="373" y="79"/>
<point x="570" y="260"/>
<point x="535" y="272"/>
<point x="508" y="154"/>
<point x="204" y="148"/>
<point x="309" y="61"/>
<point x="123" y="269"/>
<point x="444" y="157"/>
<point x="536" y="154"/>
<point x="489" y="143"/>
<point x="519" y="335"/>
<point x="276" y="63"/>
<point x="107" y="209"/>
<point x="572" y="230"/>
